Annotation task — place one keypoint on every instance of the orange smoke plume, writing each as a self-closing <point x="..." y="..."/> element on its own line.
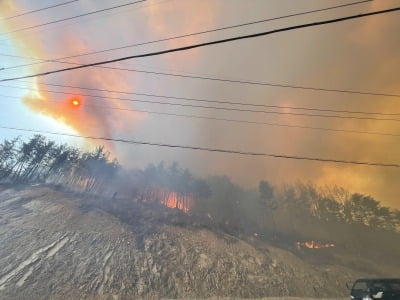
<point x="73" y="107"/>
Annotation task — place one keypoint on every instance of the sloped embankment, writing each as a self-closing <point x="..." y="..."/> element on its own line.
<point x="51" y="249"/>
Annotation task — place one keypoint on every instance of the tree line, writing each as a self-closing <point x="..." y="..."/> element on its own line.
<point x="42" y="160"/>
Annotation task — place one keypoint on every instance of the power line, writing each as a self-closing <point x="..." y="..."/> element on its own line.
<point x="37" y="10"/>
<point x="213" y="78"/>
<point x="193" y="34"/>
<point x="207" y="149"/>
<point x="190" y="116"/>
<point x="199" y="99"/>
<point x="215" y="42"/>
<point x="219" y="79"/>
<point x="73" y="17"/>
<point x="94" y="18"/>
<point x="224" y="108"/>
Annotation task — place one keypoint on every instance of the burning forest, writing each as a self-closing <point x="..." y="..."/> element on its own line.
<point x="299" y="213"/>
<point x="323" y="226"/>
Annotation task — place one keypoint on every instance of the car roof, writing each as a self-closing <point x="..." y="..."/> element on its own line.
<point x="379" y="279"/>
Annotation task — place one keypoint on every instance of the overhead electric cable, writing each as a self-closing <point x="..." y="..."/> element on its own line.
<point x="239" y="81"/>
<point x="93" y="19"/>
<point x="215" y="42"/>
<point x="280" y="85"/>
<point x="190" y="116"/>
<point x="192" y="34"/>
<point x="37" y="10"/>
<point x="73" y="17"/>
<point x="197" y="100"/>
<point x="208" y="149"/>
<point x="233" y="109"/>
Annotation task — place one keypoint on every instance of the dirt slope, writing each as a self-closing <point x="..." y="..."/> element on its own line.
<point x="51" y="249"/>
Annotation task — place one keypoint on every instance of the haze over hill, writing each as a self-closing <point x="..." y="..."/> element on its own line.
<point x="76" y="224"/>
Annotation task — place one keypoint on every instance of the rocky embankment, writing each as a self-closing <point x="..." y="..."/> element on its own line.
<point x="51" y="248"/>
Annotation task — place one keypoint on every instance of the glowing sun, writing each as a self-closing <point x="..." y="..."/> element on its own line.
<point x="75" y="102"/>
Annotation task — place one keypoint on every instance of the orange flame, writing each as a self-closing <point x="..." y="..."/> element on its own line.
<point x="313" y="245"/>
<point x="173" y="201"/>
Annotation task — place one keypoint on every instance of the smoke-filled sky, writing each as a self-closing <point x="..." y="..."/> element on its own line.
<point x="363" y="55"/>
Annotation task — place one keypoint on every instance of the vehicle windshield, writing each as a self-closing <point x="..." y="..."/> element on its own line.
<point x="380" y="286"/>
<point x="360" y="286"/>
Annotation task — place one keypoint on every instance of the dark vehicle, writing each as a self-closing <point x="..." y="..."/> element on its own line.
<point x="368" y="289"/>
